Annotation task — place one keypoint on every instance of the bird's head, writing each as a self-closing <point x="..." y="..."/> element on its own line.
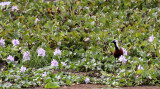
<point x="114" y="41"/>
<point x="116" y="44"/>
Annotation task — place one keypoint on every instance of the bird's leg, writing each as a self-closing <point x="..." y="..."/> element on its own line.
<point x="115" y="65"/>
<point x="115" y="60"/>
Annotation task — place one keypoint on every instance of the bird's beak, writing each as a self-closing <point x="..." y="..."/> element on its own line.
<point x="111" y="42"/>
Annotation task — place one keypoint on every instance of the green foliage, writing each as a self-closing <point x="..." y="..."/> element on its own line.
<point x="82" y="30"/>
<point x="52" y="85"/>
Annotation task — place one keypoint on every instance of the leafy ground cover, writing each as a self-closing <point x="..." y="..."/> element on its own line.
<point x="66" y="42"/>
<point x="94" y="86"/>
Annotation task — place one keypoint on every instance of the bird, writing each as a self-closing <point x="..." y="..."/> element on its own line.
<point x="118" y="51"/>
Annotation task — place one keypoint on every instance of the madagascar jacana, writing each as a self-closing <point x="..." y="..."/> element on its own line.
<point x="117" y="51"/>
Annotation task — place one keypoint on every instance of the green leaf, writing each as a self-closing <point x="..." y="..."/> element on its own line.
<point x="46" y="80"/>
<point x="68" y="82"/>
<point x="139" y="71"/>
<point x="52" y="85"/>
<point x="105" y="74"/>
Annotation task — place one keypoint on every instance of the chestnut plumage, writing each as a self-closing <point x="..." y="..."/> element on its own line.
<point x="117" y="51"/>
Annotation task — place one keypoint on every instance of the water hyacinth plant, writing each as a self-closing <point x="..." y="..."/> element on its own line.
<point x="63" y="63"/>
<point x="151" y="38"/>
<point x="87" y="80"/>
<point x="23" y="69"/>
<point x="5" y="3"/>
<point x="140" y="67"/>
<point x="36" y="20"/>
<point x="10" y="58"/>
<point x="54" y="63"/>
<point x="44" y="74"/>
<point x="57" y="51"/>
<point x="2" y="42"/>
<point x="15" y="42"/>
<point x="124" y="51"/>
<point x="15" y="8"/>
<point x="41" y="52"/>
<point x="26" y="55"/>
<point x="123" y="59"/>
<point x="52" y="43"/>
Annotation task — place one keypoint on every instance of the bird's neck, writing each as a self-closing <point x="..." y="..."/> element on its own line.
<point x="116" y="46"/>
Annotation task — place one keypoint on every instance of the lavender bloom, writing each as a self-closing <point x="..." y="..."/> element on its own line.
<point x="63" y="63"/>
<point x="151" y="38"/>
<point x="140" y="67"/>
<point x="2" y="43"/>
<point x="36" y="20"/>
<point x="54" y="63"/>
<point x="26" y="55"/>
<point x="10" y="58"/>
<point x="124" y="51"/>
<point x="123" y="59"/>
<point x="23" y="69"/>
<point x="137" y="77"/>
<point x="85" y="7"/>
<point x="5" y="3"/>
<point x="15" y="42"/>
<point x="87" y="80"/>
<point x="57" y="51"/>
<point x="41" y="52"/>
<point x="44" y="74"/>
<point x="14" y="8"/>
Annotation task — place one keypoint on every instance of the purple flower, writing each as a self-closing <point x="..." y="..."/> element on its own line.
<point x="14" y="8"/>
<point x="137" y="77"/>
<point x="10" y="58"/>
<point x="54" y="63"/>
<point x="63" y="63"/>
<point x="26" y="55"/>
<point x="44" y="74"/>
<point x="140" y="67"/>
<point x="57" y="51"/>
<point x="151" y="38"/>
<point x="23" y="69"/>
<point x="87" y="80"/>
<point x="36" y="20"/>
<point x="15" y="42"/>
<point x="123" y="59"/>
<point x="5" y="3"/>
<point x="124" y="51"/>
<point x="85" y="7"/>
<point x="41" y="52"/>
<point x="159" y="51"/>
<point x="2" y="43"/>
